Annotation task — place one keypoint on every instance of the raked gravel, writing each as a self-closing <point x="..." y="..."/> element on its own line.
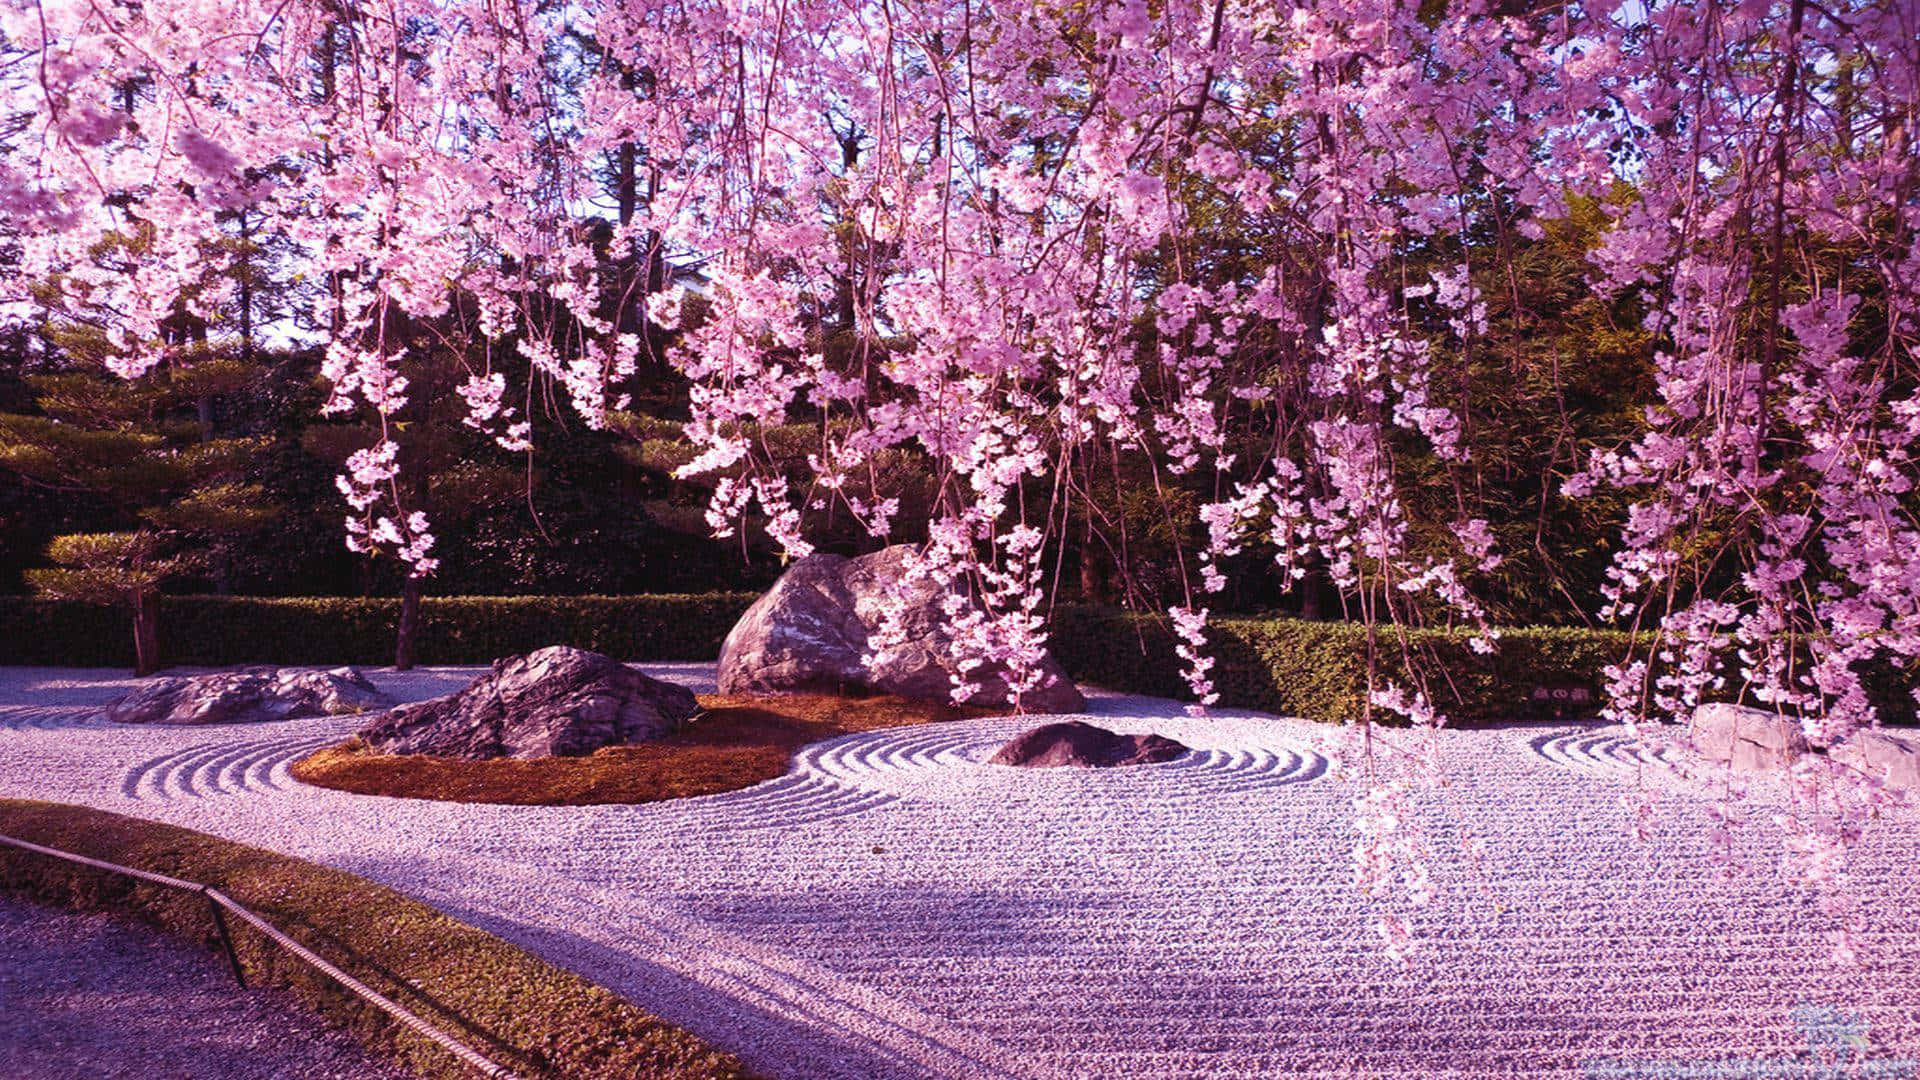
<point x="896" y="907"/>
<point x="93" y="996"/>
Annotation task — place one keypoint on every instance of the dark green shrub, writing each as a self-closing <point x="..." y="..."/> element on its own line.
<point x="1318" y="670"/>
<point x="36" y="631"/>
<point x="217" y="631"/>
<point x="1287" y="666"/>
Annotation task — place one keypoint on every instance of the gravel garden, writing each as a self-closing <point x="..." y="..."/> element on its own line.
<point x="940" y="538"/>
<point x="896" y="905"/>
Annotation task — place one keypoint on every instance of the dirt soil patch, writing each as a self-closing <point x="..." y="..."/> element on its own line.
<point x="736" y="742"/>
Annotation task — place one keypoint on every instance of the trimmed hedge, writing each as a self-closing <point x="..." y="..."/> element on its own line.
<point x="217" y="631"/>
<point x="1318" y="670"/>
<point x="1287" y="666"/>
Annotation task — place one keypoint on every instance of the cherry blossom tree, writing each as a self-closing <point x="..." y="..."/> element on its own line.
<point x="1010" y="219"/>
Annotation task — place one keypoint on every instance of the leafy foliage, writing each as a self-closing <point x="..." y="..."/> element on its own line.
<point x="105" y="568"/>
<point x="215" y="630"/>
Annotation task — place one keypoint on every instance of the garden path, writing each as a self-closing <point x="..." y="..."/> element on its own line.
<point x="97" y="996"/>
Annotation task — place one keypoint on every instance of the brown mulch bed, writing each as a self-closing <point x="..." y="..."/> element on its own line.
<point x="736" y="742"/>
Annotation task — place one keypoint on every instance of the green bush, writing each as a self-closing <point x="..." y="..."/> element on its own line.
<point x="1288" y="666"/>
<point x="1318" y="670"/>
<point x="217" y="631"/>
<point x="36" y="631"/>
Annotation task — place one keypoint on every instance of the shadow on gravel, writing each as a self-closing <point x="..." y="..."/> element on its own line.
<point x="767" y="1040"/>
<point x="864" y="927"/>
<point x="36" y="693"/>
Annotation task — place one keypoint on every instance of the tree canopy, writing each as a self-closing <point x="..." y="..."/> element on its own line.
<point x="1380" y="294"/>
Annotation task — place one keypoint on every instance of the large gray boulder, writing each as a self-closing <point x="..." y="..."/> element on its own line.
<point x="554" y="702"/>
<point x="250" y="695"/>
<point x="809" y="634"/>
<point x="1751" y="740"/>
<point x="1892" y="759"/>
<point x="1074" y="743"/>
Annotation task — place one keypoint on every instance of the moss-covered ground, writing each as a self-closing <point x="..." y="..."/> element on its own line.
<point x="736" y="742"/>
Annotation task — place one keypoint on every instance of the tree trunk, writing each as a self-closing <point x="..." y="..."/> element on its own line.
<point x="1092" y="585"/>
<point x="1309" y="587"/>
<point x="627" y="187"/>
<point x="146" y="632"/>
<point x="1096" y="568"/>
<point x="627" y="315"/>
<point x="246" y="289"/>
<point x="403" y="650"/>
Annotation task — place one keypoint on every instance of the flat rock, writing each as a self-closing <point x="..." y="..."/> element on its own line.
<point x="1081" y="744"/>
<point x="249" y="695"/>
<point x="554" y="702"/>
<point x="1894" y="760"/>
<point x="1752" y="740"/>
<point x="809" y="634"/>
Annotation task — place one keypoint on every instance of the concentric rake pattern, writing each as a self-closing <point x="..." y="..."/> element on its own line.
<point x="930" y="766"/>
<point x="1205" y="772"/>
<point x="927" y="761"/>
<point x="626" y="839"/>
<point x="794" y="799"/>
<point x="256" y="766"/>
<point x="1600" y="753"/>
<point x="938" y="763"/>
<point x="896" y="897"/>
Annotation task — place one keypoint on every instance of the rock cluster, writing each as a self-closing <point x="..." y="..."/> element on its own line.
<point x="557" y="701"/>
<point x="1082" y="744"/>
<point x="250" y="695"/>
<point x="810" y="633"/>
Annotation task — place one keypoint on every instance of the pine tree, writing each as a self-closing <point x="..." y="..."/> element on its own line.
<point x="146" y="448"/>
<point x="111" y="569"/>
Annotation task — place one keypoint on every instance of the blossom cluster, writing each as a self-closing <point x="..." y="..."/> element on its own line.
<point x="1008" y="221"/>
<point x="367" y="484"/>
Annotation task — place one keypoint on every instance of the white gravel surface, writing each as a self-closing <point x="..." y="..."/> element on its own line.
<point x="92" y="996"/>
<point x="896" y="907"/>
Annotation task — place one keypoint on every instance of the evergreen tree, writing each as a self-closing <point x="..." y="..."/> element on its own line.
<point x="111" y="569"/>
<point x="145" y="447"/>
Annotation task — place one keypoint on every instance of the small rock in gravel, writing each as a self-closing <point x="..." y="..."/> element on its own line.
<point x="1082" y="744"/>
<point x="557" y="701"/>
<point x="249" y="695"/>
